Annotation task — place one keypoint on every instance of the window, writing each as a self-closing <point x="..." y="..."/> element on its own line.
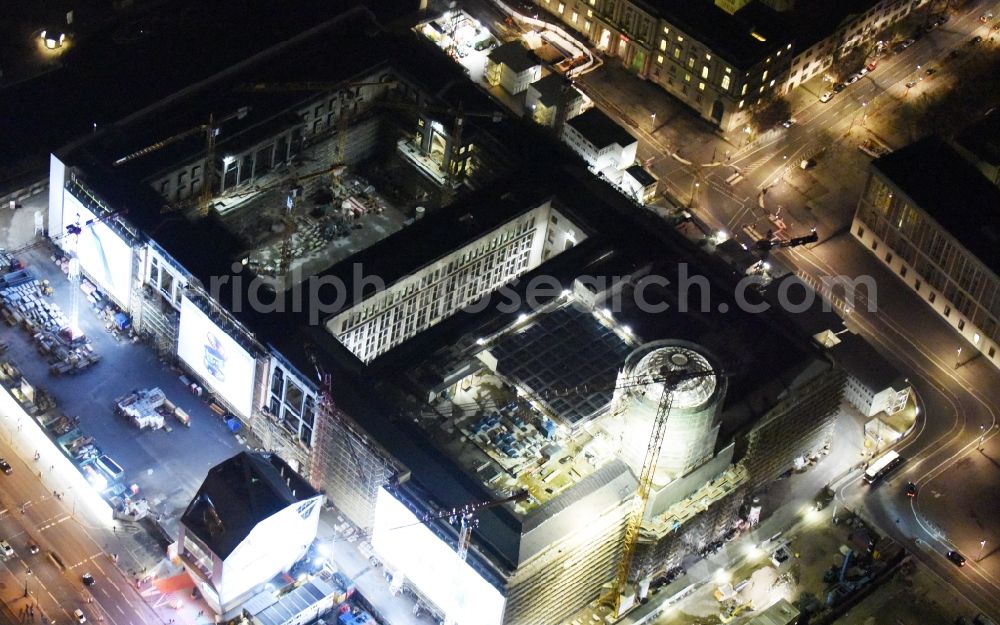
<point x="677" y="52"/>
<point x="562" y="7"/>
<point x="764" y="76"/>
<point x="659" y="59"/>
<point x="687" y="77"/>
<point x="961" y="324"/>
<point x="586" y="26"/>
<point x="663" y="45"/>
<point x="691" y="61"/>
<point x="874" y="245"/>
<point x="932" y="297"/>
<point x="903" y="271"/>
<point x="861" y="231"/>
<point x="725" y="83"/>
<point x="573" y="17"/>
<point x="976" y="338"/>
<point x="680" y="39"/>
<point x="742" y="102"/>
<point x="993" y="352"/>
<point x="917" y="284"/>
<point x="708" y="57"/>
<point x="704" y="71"/>
<point x="701" y="86"/>
<point x="947" y="311"/>
<point x="888" y="257"/>
<point x="744" y="91"/>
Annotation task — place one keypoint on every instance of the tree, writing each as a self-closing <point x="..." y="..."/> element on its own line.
<point x="769" y="112"/>
<point x="850" y="61"/>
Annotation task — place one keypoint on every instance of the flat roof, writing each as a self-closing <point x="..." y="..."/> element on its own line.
<point x="982" y="138"/>
<point x="563" y="350"/>
<point x="600" y="130"/>
<point x="550" y="88"/>
<point x="639" y="173"/>
<point x="857" y="356"/>
<point x="814" y="20"/>
<point x="951" y="191"/>
<point x="514" y="55"/>
<point x="729" y="36"/>
<point x="203" y="39"/>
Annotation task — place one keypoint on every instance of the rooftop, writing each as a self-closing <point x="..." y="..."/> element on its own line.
<point x="239" y="493"/>
<point x="565" y="349"/>
<point x="600" y="130"/>
<point x="639" y="173"/>
<point x="743" y="39"/>
<point x="550" y="88"/>
<point x="982" y="138"/>
<point x="111" y="55"/>
<point x="955" y="195"/>
<point x="861" y="360"/>
<point x="814" y="20"/>
<point x="514" y="55"/>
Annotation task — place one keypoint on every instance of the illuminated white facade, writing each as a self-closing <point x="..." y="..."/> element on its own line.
<point x="246" y="525"/>
<point x="436" y="291"/>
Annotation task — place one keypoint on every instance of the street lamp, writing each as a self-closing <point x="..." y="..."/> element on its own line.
<point x="982" y="544"/>
<point x="982" y="436"/>
<point x="652" y="121"/>
<point x="958" y="358"/>
<point x="26" y="574"/>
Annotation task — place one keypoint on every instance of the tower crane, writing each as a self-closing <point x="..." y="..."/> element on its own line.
<point x="72" y="234"/>
<point x="211" y="131"/>
<point x="669" y="379"/>
<point x="343" y="120"/>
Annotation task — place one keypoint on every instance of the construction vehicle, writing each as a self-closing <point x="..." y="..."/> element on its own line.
<point x="211" y="130"/>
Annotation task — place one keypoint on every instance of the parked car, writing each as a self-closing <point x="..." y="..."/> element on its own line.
<point x="788" y="123"/>
<point x="985" y="17"/>
<point x="954" y="54"/>
<point x="902" y="45"/>
<point x="975" y="40"/>
<point x="930" y="71"/>
<point x="6" y="549"/>
<point x="79" y="616"/>
<point x="911" y="489"/>
<point x="5" y="467"/>
<point x="807" y="163"/>
<point x="838" y="87"/>
<point x="826" y="97"/>
<point x="911" y="84"/>
<point x="853" y="78"/>
<point x="33" y="548"/>
<point x="956" y="557"/>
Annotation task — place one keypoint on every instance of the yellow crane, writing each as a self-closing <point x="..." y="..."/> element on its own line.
<point x="211" y="131"/>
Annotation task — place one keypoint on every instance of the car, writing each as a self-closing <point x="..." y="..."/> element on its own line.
<point x="788" y="123"/>
<point x="838" y="87"/>
<point x="853" y="78"/>
<point x="79" y="616"/>
<point x="911" y="489"/>
<point x="942" y="19"/>
<point x="780" y="555"/>
<point x="87" y="579"/>
<point x="906" y="44"/>
<point x="826" y="97"/>
<point x="911" y="84"/>
<point x="33" y="548"/>
<point x="975" y="40"/>
<point x="863" y="71"/>
<point x="985" y="17"/>
<point x="954" y="54"/>
<point x="956" y="557"/>
<point x="6" y="549"/>
<point x="5" y="467"/>
<point x="807" y="163"/>
<point x="930" y="71"/>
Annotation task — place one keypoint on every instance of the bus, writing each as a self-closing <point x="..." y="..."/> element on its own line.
<point x="882" y="467"/>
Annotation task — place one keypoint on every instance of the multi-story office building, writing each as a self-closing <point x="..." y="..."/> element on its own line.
<point x="717" y="63"/>
<point x="931" y="217"/>
<point x="603" y="144"/>
<point x="825" y="30"/>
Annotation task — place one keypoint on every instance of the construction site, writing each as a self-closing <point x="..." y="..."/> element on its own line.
<point x="541" y="455"/>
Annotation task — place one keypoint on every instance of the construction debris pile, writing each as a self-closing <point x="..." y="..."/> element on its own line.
<point x="24" y="302"/>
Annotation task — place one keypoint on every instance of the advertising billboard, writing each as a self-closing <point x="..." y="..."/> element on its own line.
<point x="430" y="564"/>
<point x="104" y="256"/>
<point x="226" y="368"/>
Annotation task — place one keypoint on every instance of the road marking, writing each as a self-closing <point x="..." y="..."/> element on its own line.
<point x="65" y="517"/>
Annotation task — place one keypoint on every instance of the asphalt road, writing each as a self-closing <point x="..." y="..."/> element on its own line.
<point x="60" y="528"/>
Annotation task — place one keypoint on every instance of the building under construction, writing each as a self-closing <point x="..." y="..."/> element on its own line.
<point x="417" y="317"/>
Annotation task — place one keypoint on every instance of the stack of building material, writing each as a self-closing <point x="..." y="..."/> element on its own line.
<point x="143" y="407"/>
